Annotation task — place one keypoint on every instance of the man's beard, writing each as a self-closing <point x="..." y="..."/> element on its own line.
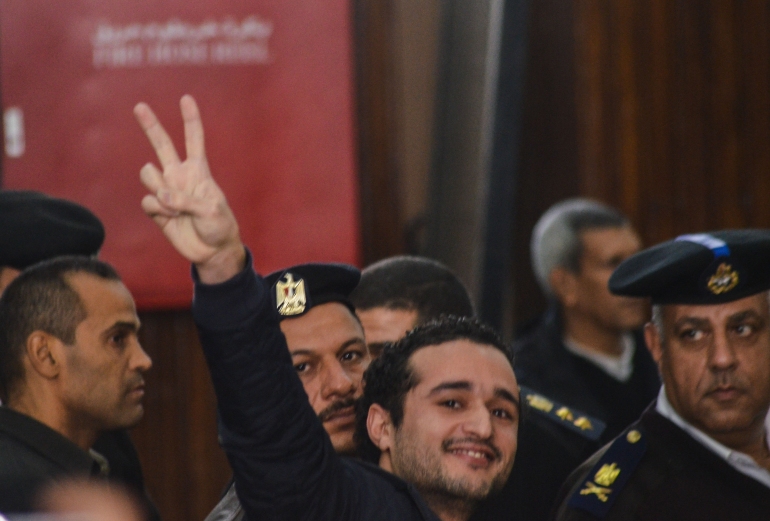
<point x="424" y="469"/>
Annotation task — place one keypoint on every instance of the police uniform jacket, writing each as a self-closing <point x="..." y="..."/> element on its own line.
<point x="656" y="471"/>
<point x="283" y="461"/>
<point x="545" y="365"/>
<point x="33" y="455"/>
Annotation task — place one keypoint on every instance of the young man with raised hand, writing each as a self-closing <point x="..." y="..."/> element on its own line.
<point x="284" y="464"/>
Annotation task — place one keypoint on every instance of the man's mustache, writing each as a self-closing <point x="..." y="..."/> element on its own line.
<point x="335" y="407"/>
<point x="725" y="379"/>
<point x="449" y="444"/>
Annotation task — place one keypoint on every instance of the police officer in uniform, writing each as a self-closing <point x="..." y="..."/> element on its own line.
<point x="702" y="450"/>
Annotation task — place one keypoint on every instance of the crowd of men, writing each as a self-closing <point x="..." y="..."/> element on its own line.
<point x="642" y="393"/>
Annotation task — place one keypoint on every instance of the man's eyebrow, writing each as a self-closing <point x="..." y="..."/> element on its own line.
<point x="350" y="342"/>
<point x="125" y="324"/>
<point x="312" y="352"/>
<point x="121" y="325"/>
<point x="462" y="385"/>
<point x="507" y="395"/>
<point x="694" y="321"/>
<point x="743" y="315"/>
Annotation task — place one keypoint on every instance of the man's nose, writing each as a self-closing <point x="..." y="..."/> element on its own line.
<point x="722" y="353"/>
<point x="336" y="381"/>
<point x="140" y="360"/>
<point x="478" y="422"/>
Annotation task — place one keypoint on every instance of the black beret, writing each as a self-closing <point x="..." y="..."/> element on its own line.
<point x="297" y="289"/>
<point x="706" y="268"/>
<point x="35" y="227"/>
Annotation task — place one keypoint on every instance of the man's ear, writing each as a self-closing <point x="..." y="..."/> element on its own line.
<point x="380" y="427"/>
<point x="564" y="285"/>
<point x="652" y="337"/>
<point x="43" y="352"/>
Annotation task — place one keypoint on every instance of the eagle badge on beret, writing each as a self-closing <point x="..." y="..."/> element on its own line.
<point x="290" y="296"/>
<point x="725" y="279"/>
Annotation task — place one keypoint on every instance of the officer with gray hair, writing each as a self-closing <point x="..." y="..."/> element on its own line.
<point x="587" y="349"/>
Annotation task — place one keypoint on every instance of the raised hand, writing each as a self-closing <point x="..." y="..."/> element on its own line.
<point x="184" y="200"/>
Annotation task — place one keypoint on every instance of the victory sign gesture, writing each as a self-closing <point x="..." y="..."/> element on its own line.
<point x="185" y="201"/>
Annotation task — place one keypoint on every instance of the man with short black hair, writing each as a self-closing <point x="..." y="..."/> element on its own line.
<point x="403" y="377"/>
<point x="398" y="293"/>
<point x="702" y="450"/>
<point x="70" y="369"/>
<point x="587" y="350"/>
<point x="38" y="227"/>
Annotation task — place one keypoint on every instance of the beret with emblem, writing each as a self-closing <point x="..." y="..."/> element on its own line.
<point x="36" y="227"/>
<point x="704" y="268"/>
<point x="296" y="290"/>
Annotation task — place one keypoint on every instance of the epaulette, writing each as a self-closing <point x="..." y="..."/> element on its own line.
<point x="591" y="428"/>
<point x="599" y="489"/>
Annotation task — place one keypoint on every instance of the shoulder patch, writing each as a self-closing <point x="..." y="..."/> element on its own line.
<point x="588" y="426"/>
<point x="598" y="490"/>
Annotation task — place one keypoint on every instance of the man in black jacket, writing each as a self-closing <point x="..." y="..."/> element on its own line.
<point x="37" y="227"/>
<point x="702" y="451"/>
<point x="70" y="370"/>
<point x="451" y="428"/>
<point x="587" y="350"/>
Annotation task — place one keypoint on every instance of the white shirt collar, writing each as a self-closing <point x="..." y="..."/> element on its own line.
<point x="619" y="367"/>
<point x="738" y="460"/>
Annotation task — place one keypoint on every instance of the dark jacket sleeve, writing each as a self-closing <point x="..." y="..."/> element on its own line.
<point x="283" y="461"/>
<point x="284" y="464"/>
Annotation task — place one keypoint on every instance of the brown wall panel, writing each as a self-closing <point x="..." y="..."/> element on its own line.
<point x="671" y="111"/>
<point x="185" y="469"/>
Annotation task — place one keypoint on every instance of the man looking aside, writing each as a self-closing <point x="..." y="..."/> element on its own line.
<point x="327" y="348"/>
<point x="70" y="369"/>
<point x="284" y="465"/>
<point x="703" y="450"/>
<point x="587" y="350"/>
<point x="37" y="227"/>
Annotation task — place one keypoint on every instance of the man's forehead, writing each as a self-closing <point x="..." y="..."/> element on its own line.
<point x="463" y="360"/>
<point x="325" y="326"/>
<point x="757" y="304"/>
<point x="608" y="240"/>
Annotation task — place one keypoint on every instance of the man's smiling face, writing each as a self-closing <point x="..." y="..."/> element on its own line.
<point x="458" y="434"/>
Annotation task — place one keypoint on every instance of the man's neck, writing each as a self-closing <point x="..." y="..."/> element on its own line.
<point x="51" y="415"/>
<point x="449" y="508"/>
<point x="592" y="336"/>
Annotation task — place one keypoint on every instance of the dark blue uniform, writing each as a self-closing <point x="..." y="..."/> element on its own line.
<point x="655" y="471"/>
<point x="545" y="365"/>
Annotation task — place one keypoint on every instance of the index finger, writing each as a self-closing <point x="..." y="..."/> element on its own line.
<point x="193" y="128"/>
<point x="159" y="139"/>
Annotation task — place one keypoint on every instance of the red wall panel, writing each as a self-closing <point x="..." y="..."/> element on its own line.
<point x="273" y="80"/>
